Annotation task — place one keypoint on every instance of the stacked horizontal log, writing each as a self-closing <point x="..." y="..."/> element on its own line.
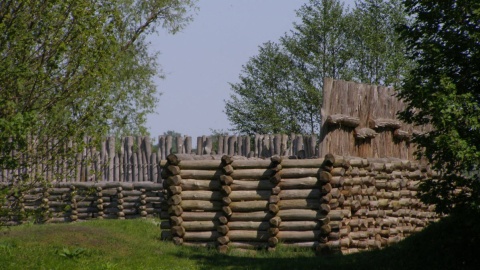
<point x="251" y="186"/>
<point x="375" y="202"/>
<point x="73" y="201"/>
<point x="334" y="204"/>
<point x="226" y="180"/>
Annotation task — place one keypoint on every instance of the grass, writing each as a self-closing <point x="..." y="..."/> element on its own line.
<point x="452" y="243"/>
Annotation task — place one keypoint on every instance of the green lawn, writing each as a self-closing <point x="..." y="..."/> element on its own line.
<point x="453" y="243"/>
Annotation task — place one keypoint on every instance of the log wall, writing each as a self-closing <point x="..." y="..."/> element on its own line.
<point x="361" y="120"/>
<point x="67" y="202"/>
<point x="137" y="159"/>
<point x="334" y="204"/>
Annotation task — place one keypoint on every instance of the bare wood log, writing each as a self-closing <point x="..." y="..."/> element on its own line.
<point x="172" y="159"/>
<point x="364" y="133"/>
<point x="300" y="194"/>
<point x="249" y="206"/>
<point x="175" y="199"/>
<point x="226" y="201"/>
<point x="299" y="204"/>
<point x="274" y="199"/>
<point x="173" y="170"/>
<point x="343" y="120"/>
<point x="201" y="236"/>
<point x="300" y="225"/>
<point x="325" y="189"/>
<point x="175" y="189"/>
<point x="324" y="177"/>
<point x="226" y="190"/>
<point x="299" y="183"/>
<point x="201" y="216"/>
<point x="249" y="225"/>
<point x="273" y="208"/>
<point x="302" y="163"/>
<point x="290" y="236"/>
<point x="191" y="184"/>
<point x="226" y="179"/>
<point x="201" y="174"/>
<point x="178" y="231"/>
<point x="299" y="214"/>
<point x="228" y="169"/>
<point x="299" y="172"/>
<point x="251" y="216"/>
<point x="384" y="123"/>
<point x="252" y="174"/>
<point x="275" y="221"/>
<point x="227" y="211"/>
<point x="176" y="220"/>
<point x="338" y="171"/>
<point x="324" y="209"/>
<point x="273" y="231"/>
<point x="210" y="165"/>
<point x="248" y="235"/>
<point x="199" y="225"/>
<point x="202" y="195"/>
<point x="402" y="135"/>
<point x="250" y="164"/>
<point x="189" y="205"/>
<point x="174" y="180"/>
<point x="175" y="210"/>
<point x="273" y="241"/>
<point x="244" y="195"/>
<point x="223" y="240"/>
<point x="252" y="185"/>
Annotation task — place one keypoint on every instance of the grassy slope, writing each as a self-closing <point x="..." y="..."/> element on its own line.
<point x="452" y="243"/>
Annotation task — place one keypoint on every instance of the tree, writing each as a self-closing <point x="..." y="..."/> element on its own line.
<point x="377" y="50"/>
<point x="75" y="68"/>
<point x="443" y="90"/>
<point x="329" y="41"/>
<point x="262" y="101"/>
<point x="317" y="49"/>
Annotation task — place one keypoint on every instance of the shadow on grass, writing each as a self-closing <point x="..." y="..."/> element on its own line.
<point x="452" y="243"/>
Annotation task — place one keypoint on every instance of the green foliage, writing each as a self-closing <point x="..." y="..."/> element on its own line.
<point x="377" y="51"/>
<point x="279" y="90"/>
<point x="450" y="243"/>
<point x="442" y="91"/>
<point x="264" y="101"/>
<point x="71" y="254"/>
<point x="70" y="69"/>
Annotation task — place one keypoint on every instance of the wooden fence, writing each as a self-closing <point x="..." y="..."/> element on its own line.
<point x="342" y="204"/>
<point x="137" y="159"/>
<point x="72" y="201"/>
<point x="334" y="204"/>
<point x="361" y="120"/>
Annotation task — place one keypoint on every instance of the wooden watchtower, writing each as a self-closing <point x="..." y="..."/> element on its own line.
<point x="361" y="120"/>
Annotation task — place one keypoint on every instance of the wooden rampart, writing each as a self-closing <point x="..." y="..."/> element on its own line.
<point x="137" y="159"/>
<point x="73" y="201"/>
<point x="361" y="120"/>
<point x="333" y="204"/>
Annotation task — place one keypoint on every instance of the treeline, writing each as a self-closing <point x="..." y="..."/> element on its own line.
<point x="280" y="89"/>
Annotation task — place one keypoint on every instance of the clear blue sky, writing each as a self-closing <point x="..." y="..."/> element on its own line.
<point x="201" y="61"/>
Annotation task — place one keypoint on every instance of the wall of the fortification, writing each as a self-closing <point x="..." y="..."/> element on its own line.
<point x="67" y="202"/>
<point x="341" y="204"/>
